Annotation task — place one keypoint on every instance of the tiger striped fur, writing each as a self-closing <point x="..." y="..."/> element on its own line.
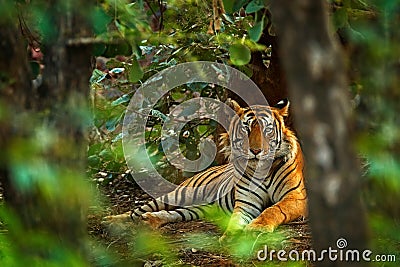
<point x="261" y="195"/>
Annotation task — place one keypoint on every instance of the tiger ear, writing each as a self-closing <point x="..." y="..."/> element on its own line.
<point x="235" y="106"/>
<point x="283" y="107"/>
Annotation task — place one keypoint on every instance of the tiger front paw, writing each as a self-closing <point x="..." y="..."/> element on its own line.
<point x="230" y="236"/>
<point x="259" y="227"/>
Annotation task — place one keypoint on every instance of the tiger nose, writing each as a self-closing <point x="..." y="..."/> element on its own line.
<point x="255" y="151"/>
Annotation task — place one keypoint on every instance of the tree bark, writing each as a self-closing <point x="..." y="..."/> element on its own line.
<point x="317" y="85"/>
<point x="271" y="80"/>
<point x="15" y="88"/>
<point x="43" y="182"/>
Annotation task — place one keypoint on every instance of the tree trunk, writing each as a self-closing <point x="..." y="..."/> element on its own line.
<point x="271" y="80"/>
<point x="15" y="89"/>
<point x="317" y="85"/>
<point x="42" y="137"/>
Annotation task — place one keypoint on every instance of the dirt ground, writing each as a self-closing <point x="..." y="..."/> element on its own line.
<point x="178" y="244"/>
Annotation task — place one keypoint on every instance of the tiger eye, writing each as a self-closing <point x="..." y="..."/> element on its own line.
<point x="268" y="128"/>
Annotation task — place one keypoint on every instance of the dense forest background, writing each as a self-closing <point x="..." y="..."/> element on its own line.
<point x="68" y="70"/>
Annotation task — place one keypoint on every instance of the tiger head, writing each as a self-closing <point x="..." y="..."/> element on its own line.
<point x="257" y="133"/>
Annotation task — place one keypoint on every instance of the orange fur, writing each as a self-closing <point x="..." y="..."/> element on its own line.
<point x="279" y="198"/>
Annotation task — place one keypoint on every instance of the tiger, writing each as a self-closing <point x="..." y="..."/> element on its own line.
<point x="261" y="187"/>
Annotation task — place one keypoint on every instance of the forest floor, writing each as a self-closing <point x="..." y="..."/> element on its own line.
<point x="192" y="243"/>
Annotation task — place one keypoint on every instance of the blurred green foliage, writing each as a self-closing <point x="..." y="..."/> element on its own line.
<point x="39" y="168"/>
<point x="371" y="32"/>
<point x="39" y="248"/>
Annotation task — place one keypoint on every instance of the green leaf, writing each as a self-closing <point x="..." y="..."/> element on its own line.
<point x="256" y="31"/>
<point x="113" y="166"/>
<point x="178" y="96"/>
<point x="94" y="149"/>
<point x="123" y="99"/>
<point x="239" y="54"/>
<point x="238" y="4"/>
<point x="158" y="114"/>
<point x="117" y="138"/>
<point x="97" y="76"/>
<point x="112" y="123"/>
<point x="106" y="155"/>
<point x="45" y="25"/>
<point x="121" y="28"/>
<point x="135" y="71"/>
<point x="228" y="5"/>
<point x="100" y="19"/>
<point x="136" y="50"/>
<point x="254" y="6"/>
<point x="94" y="161"/>
<point x="141" y="4"/>
<point x="229" y="18"/>
<point x="202" y="129"/>
<point x="98" y="49"/>
<point x="246" y="70"/>
<point x="232" y="6"/>
<point x="340" y="18"/>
